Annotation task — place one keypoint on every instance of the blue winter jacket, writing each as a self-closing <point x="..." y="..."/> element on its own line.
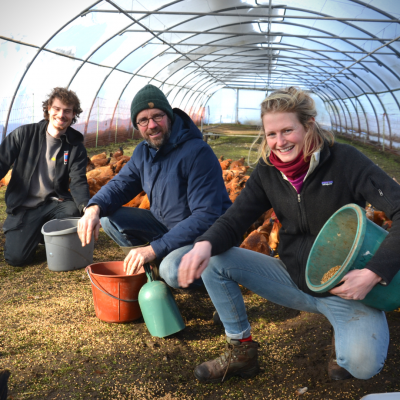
<point x="183" y="181"/>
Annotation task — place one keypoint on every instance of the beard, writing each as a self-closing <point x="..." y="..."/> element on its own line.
<point x="158" y="143"/>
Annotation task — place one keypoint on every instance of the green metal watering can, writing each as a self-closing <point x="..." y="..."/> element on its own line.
<point x="159" y="309"/>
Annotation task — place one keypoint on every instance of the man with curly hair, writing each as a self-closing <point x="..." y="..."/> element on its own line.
<point x="48" y="179"/>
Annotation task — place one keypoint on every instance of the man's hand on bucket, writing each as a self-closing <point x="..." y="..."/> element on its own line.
<point x="89" y="224"/>
<point x="136" y="258"/>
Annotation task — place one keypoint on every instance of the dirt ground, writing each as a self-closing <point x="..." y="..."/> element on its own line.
<point x="56" y="347"/>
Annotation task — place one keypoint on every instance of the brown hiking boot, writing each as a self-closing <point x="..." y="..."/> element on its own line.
<point x="239" y="359"/>
<point x="335" y="371"/>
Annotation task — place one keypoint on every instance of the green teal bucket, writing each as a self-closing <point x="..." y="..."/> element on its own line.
<point x="350" y="239"/>
<point x="159" y="309"/>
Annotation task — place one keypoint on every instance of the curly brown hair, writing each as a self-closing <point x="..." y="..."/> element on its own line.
<point x="295" y="100"/>
<point x="68" y="97"/>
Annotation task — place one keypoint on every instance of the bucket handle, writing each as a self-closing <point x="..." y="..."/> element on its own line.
<point x="108" y="294"/>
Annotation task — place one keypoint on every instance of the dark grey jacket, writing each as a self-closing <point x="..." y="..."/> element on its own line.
<point x="22" y="147"/>
<point x="354" y="179"/>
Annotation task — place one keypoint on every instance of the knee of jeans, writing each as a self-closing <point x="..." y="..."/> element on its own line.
<point x="106" y="224"/>
<point x="213" y="268"/>
<point x="362" y="365"/>
<point x="169" y="271"/>
<point x="170" y="266"/>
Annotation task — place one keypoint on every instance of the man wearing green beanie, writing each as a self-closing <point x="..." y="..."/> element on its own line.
<point x="181" y="177"/>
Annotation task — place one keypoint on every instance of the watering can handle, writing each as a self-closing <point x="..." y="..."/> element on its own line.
<point x="149" y="272"/>
<point x="108" y="294"/>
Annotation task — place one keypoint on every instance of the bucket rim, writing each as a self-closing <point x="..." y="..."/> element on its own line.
<point x="89" y="267"/>
<point x="68" y="231"/>
<point x="352" y="255"/>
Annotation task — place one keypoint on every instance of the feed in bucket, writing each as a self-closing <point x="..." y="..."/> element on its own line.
<point x="328" y="275"/>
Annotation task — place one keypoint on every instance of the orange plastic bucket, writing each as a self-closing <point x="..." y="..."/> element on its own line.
<point x="115" y="294"/>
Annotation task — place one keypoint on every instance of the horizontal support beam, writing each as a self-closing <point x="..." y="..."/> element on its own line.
<point x="267" y="59"/>
<point x="230" y="46"/>
<point x="265" y="64"/>
<point x="273" y="34"/>
<point x="274" y="72"/>
<point x="246" y="15"/>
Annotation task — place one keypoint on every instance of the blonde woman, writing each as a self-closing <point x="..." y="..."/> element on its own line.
<point x="306" y="178"/>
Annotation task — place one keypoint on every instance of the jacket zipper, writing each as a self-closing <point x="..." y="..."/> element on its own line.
<point x="381" y="193"/>
<point x="300" y="254"/>
<point x="303" y="241"/>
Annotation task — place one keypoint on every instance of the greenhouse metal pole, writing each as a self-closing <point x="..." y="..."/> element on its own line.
<point x="97" y="132"/>
<point x="116" y="123"/>
<point x="31" y="62"/>
<point x="237" y="106"/>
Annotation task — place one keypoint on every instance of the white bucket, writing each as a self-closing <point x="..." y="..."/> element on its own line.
<point x="64" y="250"/>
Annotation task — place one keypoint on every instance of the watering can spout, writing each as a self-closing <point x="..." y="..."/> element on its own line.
<point x="160" y="311"/>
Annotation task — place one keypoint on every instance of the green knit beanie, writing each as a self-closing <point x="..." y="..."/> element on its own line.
<point x="149" y="97"/>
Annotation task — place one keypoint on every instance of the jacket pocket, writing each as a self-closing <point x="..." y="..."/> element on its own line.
<point x="14" y="221"/>
<point x="381" y="194"/>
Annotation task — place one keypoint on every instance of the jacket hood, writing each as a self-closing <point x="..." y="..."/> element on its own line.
<point x="73" y="137"/>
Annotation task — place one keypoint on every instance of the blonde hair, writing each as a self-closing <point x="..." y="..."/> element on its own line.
<point x="297" y="101"/>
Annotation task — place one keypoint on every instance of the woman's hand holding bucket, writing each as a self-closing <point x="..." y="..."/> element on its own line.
<point x="356" y="284"/>
<point x="89" y="224"/>
<point x="136" y="258"/>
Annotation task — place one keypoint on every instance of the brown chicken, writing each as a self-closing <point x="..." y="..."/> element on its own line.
<point x="117" y="154"/>
<point x="98" y="177"/>
<point x="243" y="169"/>
<point x="6" y="180"/>
<point x="238" y="163"/>
<point x="273" y="240"/>
<point x="90" y="166"/>
<point x="145" y="204"/>
<point x="228" y="175"/>
<point x="101" y="162"/>
<point x="225" y="164"/>
<point x="136" y="201"/>
<point x="378" y="217"/>
<point x="119" y="164"/>
<point x="257" y="241"/>
<point x="99" y="156"/>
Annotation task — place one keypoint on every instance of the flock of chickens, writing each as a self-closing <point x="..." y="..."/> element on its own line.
<point x="263" y="234"/>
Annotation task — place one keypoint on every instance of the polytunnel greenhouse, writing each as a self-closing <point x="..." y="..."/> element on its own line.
<point x="214" y="59"/>
<point x="200" y="199"/>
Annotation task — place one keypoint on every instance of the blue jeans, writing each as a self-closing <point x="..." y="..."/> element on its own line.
<point x="134" y="227"/>
<point x="130" y="226"/>
<point x="361" y="332"/>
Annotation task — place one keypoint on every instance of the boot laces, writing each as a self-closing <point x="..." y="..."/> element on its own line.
<point x="226" y="359"/>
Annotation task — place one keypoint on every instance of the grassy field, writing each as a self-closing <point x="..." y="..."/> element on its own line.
<point x="56" y="348"/>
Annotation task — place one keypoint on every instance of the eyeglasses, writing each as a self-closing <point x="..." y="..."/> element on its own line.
<point x="155" y="118"/>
